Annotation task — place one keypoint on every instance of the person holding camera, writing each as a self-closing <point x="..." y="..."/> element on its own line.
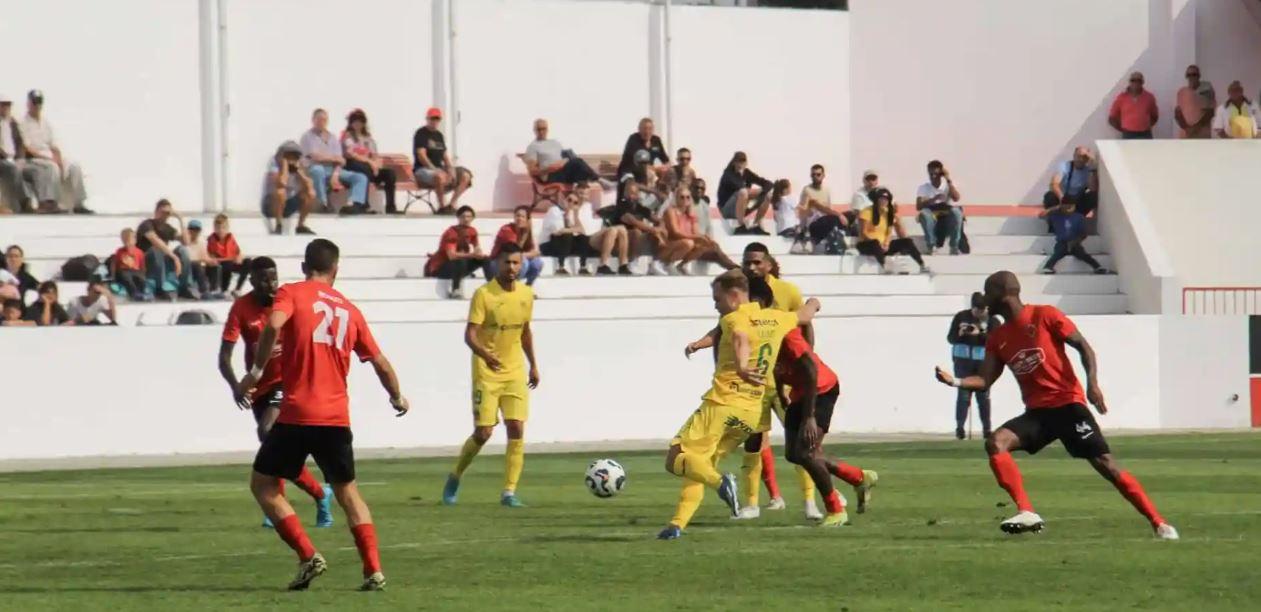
<point x="967" y="336"/>
<point x="937" y="201"/>
<point x="288" y="189"/>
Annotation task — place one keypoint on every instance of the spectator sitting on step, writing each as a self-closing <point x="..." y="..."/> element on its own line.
<point x="222" y="247"/>
<point x="326" y="166"/>
<point x="87" y="309"/>
<point x="521" y="233"/>
<point x="938" y="202"/>
<point x="164" y="246"/>
<point x="432" y="166"/>
<point x="643" y="236"/>
<point x="288" y="189"/>
<point x="784" y="208"/>
<point x="644" y="139"/>
<point x="15" y="263"/>
<point x="13" y="189"/>
<point x="703" y="206"/>
<point x="205" y="267"/>
<point x="127" y="267"/>
<point x="815" y="213"/>
<point x="684" y="242"/>
<point x="361" y="156"/>
<point x="548" y="161"/>
<point x="1237" y="117"/>
<point x="563" y="236"/>
<point x="876" y="227"/>
<point x="606" y="237"/>
<point x="742" y="193"/>
<point x="46" y="311"/>
<point x="12" y="315"/>
<point x="458" y="254"/>
<point x="9" y="286"/>
<point x="1194" y="107"/>
<point x="45" y="166"/>
<point x="682" y="173"/>
<point x="1070" y="231"/>
<point x="652" y="193"/>
<point x="1077" y="178"/>
<point x="860" y="200"/>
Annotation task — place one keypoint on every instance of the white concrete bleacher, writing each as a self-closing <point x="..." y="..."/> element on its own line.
<point x="383" y="258"/>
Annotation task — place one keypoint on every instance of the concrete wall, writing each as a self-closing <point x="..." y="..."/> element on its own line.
<point x="1228" y="45"/>
<point x="631" y="384"/>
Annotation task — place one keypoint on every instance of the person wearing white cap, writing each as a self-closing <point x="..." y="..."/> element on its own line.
<point x="11" y="192"/>
<point x="860" y="201"/>
<point x="46" y="168"/>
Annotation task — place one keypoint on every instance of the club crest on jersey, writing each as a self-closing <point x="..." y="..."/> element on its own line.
<point x="1026" y="361"/>
<point x="1031" y="330"/>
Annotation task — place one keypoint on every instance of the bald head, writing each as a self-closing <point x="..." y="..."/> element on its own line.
<point x="998" y="287"/>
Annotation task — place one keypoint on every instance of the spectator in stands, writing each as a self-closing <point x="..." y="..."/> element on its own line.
<point x="1077" y="178"/>
<point x="521" y="233"/>
<point x="652" y="192"/>
<point x="205" y="268"/>
<point x="876" y="227"/>
<point x="739" y="188"/>
<point x="1134" y="110"/>
<point x="644" y="140"/>
<point x="1193" y="110"/>
<point x="10" y="287"/>
<point x="860" y="201"/>
<point x="222" y="247"/>
<point x="815" y="213"/>
<point x="784" y="208"/>
<point x="684" y="242"/>
<point x="12" y="315"/>
<point x="360" y="149"/>
<point x="682" y="173"/>
<point x="12" y="191"/>
<point x="642" y="235"/>
<point x="45" y="165"/>
<point x="458" y="254"/>
<point x="563" y="235"/>
<point x="326" y="166"/>
<point x="46" y="311"/>
<point x="938" y="201"/>
<point x="606" y="236"/>
<point x="15" y="263"/>
<point x="288" y="189"/>
<point x="549" y="161"/>
<point x="87" y="309"/>
<point x="432" y="166"/>
<point x="1237" y="117"/>
<point x="966" y="336"/>
<point x="164" y="246"/>
<point x="703" y="205"/>
<point x="1070" y="231"/>
<point x="127" y="267"/>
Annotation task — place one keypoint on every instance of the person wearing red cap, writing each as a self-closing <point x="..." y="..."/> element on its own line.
<point x="433" y="167"/>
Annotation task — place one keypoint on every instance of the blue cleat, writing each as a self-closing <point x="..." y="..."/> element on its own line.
<point x="267" y="523"/>
<point x="671" y="532"/>
<point x="324" y="509"/>
<point x="728" y="492"/>
<point x="451" y="490"/>
<point x="510" y="500"/>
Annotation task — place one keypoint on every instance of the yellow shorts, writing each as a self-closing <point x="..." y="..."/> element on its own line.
<point x="512" y="397"/>
<point x="706" y="429"/>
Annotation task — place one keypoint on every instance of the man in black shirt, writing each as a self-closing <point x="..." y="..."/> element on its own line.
<point x="644" y="140"/>
<point x="742" y="193"/>
<point x="432" y="166"/>
<point x="154" y="237"/>
<point x="967" y="336"/>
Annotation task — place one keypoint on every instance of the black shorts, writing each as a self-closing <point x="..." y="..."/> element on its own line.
<point x="1072" y="425"/>
<point x="286" y="448"/>
<point x="823" y="406"/>
<point x="268" y="399"/>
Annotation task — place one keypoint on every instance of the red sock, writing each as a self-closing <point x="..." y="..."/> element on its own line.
<point x="308" y="483"/>
<point x="1008" y="477"/>
<point x="1128" y="485"/>
<point x="848" y="473"/>
<point x="366" y="542"/>
<point x="833" y="502"/>
<point x="768" y="471"/>
<point x="290" y="530"/>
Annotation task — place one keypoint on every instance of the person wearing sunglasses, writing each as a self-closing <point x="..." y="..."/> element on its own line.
<point x="1193" y="111"/>
<point x="1134" y="111"/>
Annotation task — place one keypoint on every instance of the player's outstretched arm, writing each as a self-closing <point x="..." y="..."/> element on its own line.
<point x="806" y="313"/>
<point x="266" y="343"/>
<point x="1091" y="363"/>
<point x="706" y="341"/>
<point x="527" y="345"/>
<point x="470" y="340"/>
<point x="991" y="369"/>
<point x="229" y="374"/>
<point x="389" y="381"/>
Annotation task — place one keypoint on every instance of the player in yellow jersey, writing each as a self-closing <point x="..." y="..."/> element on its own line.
<point x="498" y="333"/>
<point x="732" y="409"/>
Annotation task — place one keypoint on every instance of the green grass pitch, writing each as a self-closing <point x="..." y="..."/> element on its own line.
<point x="189" y="538"/>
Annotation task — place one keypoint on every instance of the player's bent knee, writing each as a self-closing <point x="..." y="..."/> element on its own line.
<point x="672" y="456"/>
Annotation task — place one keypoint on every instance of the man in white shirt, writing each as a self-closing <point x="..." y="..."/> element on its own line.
<point x="46" y="168"/>
<point x="1237" y="117"/>
<point x="87" y="309"/>
<point x="938" y="201"/>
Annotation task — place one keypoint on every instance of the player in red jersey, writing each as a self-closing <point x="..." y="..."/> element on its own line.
<point x="1031" y="343"/>
<point x="246" y="319"/>
<point x="320" y="330"/>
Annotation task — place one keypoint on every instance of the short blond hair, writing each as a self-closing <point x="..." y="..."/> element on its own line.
<point x="732" y="279"/>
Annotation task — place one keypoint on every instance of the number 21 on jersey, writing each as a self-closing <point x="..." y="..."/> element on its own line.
<point x="324" y="333"/>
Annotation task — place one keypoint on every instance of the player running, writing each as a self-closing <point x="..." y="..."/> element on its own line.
<point x="498" y="333"/>
<point x="732" y="409"/>
<point x="246" y="318"/>
<point x="1031" y="343"/>
<point x="320" y="330"/>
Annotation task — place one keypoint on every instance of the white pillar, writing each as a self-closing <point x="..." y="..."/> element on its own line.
<point x="211" y="72"/>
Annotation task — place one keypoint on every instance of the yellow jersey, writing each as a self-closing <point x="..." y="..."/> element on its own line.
<point x="766" y="329"/>
<point x="787" y="297"/>
<point x="502" y="315"/>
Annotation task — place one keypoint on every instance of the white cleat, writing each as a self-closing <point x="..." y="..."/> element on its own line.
<point x="748" y="513"/>
<point x="777" y="503"/>
<point x="1165" y="531"/>
<point x="1024" y="522"/>
<point x="812" y="511"/>
<point x="307" y="571"/>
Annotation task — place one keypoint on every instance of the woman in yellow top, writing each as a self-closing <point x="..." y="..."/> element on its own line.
<point x="876" y="226"/>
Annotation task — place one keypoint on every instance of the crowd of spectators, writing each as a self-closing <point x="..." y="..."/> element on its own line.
<point x="1196" y="111"/>
<point x="35" y="174"/>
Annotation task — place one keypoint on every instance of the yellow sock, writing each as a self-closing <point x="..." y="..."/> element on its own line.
<point x="807" y="484"/>
<point x="751" y="478"/>
<point x="690" y="497"/>
<point x="700" y="469"/>
<point x="467" y="452"/>
<point x="514" y="460"/>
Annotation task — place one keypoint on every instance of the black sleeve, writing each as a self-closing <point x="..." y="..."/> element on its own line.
<point x="628" y="155"/>
<point x="750" y="178"/>
<point x="952" y="336"/>
<point x="662" y="155"/>
<point x="417" y="141"/>
<point x="730" y="183"/>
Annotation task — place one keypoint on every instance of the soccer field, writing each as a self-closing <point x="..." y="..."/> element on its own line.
<point x="189" y="538"/>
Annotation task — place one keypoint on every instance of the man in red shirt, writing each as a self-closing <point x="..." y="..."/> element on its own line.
<point x="1134" y="110"/>
<point x="1031" y="343"/>
<point x="321" y="328"/>
<point x="246" y="319"/>
<point x="458" y="254"/>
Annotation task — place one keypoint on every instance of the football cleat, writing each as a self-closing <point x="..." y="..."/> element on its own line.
<point x="510" y="500"/>
<point x="863" y="491"/>
<point x="324" y="509"/>
<point x="1165" y="531"/>
<point x="812" y="510"/>
<point x="307" y="571"/>
<point x="835" y="520"/>
<point x="451" y="490"/>
<point x="375" y="582"/>
<point x="728" y="492"/>
<point x="777" y="503"/>
<point x="748" y="513"/>
<point x="267" y="524"/>
<point x="671" y="532"/>
<point x="1025" y="521"/>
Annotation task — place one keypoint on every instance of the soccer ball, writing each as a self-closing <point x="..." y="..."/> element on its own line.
<point x="605" y="477"/>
